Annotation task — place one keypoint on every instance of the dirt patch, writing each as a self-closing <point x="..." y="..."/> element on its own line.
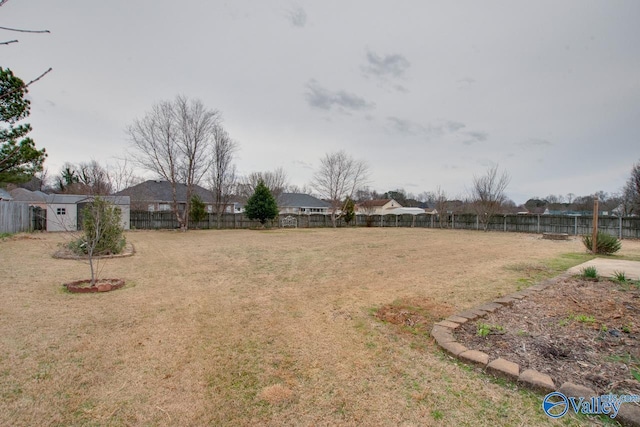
<point x="414" y="313"/>
<point x="581" y="331"/>
<point x="276" y="394"/>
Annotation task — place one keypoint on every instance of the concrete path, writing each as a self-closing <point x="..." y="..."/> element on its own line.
<point x="607" y="267"/>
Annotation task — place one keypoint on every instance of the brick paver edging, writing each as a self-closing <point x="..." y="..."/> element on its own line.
<point x="442" y="332"/>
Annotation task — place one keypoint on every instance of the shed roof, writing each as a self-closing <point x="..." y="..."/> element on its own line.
<point x="72" y="199"/>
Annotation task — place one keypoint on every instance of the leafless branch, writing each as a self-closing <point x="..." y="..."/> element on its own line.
<point x="18" y="30"/>
<point x="9" y="42"/>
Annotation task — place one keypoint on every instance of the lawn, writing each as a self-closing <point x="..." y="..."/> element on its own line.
<point x="240" y="327"/>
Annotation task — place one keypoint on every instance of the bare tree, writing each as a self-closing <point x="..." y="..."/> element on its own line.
<point x="222" y="172"/>
<point x="488" y="194"/>
<point x="440" y="200"/>
<point x="83" y="178"/>
<point x="305" y="189"/>
<point x="122" y="175"/>
<point x="630" y="197"/>
<point x="172" y="141"/>
<point x="339" y="177"/>
<point x="95" y="178"/>
<point x="276" y="182"/>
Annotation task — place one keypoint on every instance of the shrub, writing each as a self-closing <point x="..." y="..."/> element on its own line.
<point x="620" y="276"/>
<point x="589" y="272"/>
<point x="605" y="244"/>
<point x="198" y="211"/>
<point x="102" y="230"/>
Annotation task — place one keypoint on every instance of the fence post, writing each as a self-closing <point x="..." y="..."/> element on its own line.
<point x="477" y="222"/>
<point x="453" y="221"/>
<point x="594" y="236"/>
<point x="620" y="228"/>
<point x="505" y="223"/>
<point x="538" y="224"/>
<point x="575" y="226"/>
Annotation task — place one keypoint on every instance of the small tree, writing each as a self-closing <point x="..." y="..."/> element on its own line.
<point x="103" y="232"/>
<point x="488" y="194"/>
<point x="261" y="205"/>
<point x="348" y="210"/>
<point x="338" y="177"/>
<point x="198" y="209"/>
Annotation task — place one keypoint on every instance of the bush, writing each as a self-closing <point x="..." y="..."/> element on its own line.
<point x="198" y="211"/>
<point x="605" y="244"/>
<point x="261" y="205"/>
<point x="103" y="232"/>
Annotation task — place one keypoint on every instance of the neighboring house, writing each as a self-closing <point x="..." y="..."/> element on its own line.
<point x="377" y="207"/>
<point x="63" y="210"/>
<point x="157" y="196"/>
<point x="387" y="207"/>
<point x="34" y="198"/>
<point x="297" y="203"/>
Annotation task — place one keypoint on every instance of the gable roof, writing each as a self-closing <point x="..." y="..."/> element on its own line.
<point x="160" y="191"/>
<point x="301" y="201"/>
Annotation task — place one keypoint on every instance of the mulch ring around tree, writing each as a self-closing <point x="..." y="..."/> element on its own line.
<point x="580" y="331"/>
<point x="65" y="253"/>
<point x="101" y="285"/>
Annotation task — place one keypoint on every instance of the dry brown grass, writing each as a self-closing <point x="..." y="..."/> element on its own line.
<point x="257" y="327"/>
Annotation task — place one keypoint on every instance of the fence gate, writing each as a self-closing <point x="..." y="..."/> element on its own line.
<point x="38" y="218"/>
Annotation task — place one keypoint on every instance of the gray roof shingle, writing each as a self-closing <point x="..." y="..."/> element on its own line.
<point x="160" y="191"/>
<point x="301" y="201"/>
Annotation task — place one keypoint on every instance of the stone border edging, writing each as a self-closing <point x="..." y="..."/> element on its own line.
<point x="442" y="333"/>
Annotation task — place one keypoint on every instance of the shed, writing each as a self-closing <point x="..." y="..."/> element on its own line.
<point x="63" y="210"/>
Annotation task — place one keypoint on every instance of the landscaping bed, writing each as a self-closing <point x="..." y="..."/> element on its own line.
<point x="578" y="330"/>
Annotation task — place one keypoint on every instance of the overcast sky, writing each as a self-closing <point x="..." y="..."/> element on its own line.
<point x="427" y="93"/>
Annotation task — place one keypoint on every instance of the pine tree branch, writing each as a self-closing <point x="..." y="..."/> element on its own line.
<point x="26" y="85"/>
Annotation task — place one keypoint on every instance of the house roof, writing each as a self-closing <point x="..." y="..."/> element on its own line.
<point x="24" y="195"/>
<point x="160" y="191"/>
<point x="301" y="201"/>
<point x="375" y="203"/>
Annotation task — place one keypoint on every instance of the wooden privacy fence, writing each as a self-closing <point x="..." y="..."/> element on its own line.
<point x="14" y="217"/>
<point x="623" y="228"/>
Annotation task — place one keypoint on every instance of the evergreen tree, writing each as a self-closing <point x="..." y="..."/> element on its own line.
<point x="19" y="158"/>
<point x="261" y="205"/>
<point x="349" y="210"/>
<point x="198" y="209"/>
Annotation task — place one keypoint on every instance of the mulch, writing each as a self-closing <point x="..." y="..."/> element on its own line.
<point x="586" y="332"/>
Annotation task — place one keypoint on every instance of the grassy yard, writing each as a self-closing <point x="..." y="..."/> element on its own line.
<point x="261" y="327"/>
